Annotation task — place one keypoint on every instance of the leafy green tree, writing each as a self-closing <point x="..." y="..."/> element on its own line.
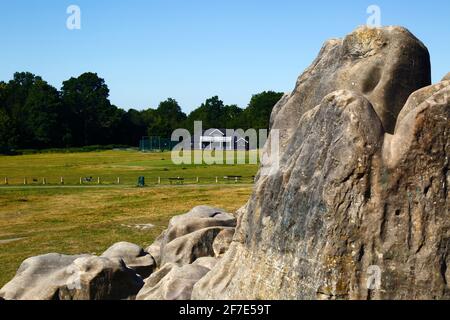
<point x="88" y="112"/>
<point x="42" y="112"/>
<point x="167" y="118"/>
<point x="232" y="117"/>
<point x="14" y="101"/>
<point x="7" y="132"/>
<point x="257" y="114"/>
<point x="210" y="113"/>
<point x="131" y="129"/>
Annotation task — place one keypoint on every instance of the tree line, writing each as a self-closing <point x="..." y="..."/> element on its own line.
<point x="35" y="115"/>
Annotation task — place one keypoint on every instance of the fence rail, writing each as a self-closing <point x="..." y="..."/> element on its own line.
<point x="124" y="181"/>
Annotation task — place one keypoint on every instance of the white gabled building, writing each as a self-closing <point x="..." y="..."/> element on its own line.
<point x="218" y="139"/>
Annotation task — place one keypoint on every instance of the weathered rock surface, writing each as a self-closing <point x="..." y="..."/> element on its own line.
<point x="172" y="282"/>
<point x="198" y="218"/>
<point x="191" y="235"/>
<point x="446" y="77"/>
<point x="358" y="196"/>
<point x="207" y="262"/>
<point x="222" y="241"/>
<point x="188" y="248"/>
<point x="134" y="257"/>
<point x="155" y="249"/>
<point x="184" y="253"/>
<point x="60" y="277"/>
<point x="420" y="96"/>
<point x="384" y="64"/>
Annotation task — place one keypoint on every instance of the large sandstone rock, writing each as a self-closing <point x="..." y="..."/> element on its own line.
<point x="383" y="64"/>
<point x="134" y="257"/>
<point x="354" y="210"/>
<point x="60" y="277"/>
<point x="172" y="282"/>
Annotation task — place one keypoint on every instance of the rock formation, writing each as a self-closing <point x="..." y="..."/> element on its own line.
<point x="59" y="277"/>
<point x="354" y="206"/>
<point x="358" y="208"/>
<point x="133" y="256"/>
<point x="180" y="256"/>
<point x="187" y="251"/>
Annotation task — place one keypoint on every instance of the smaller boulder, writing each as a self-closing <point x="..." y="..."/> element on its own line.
<point x="172" y="282"/>
<point x="39" y="278"/>
<point x="198" y="218"/>
<point x="134" y="257"/>
<point x="188" y="248"/>
<point x="100" y="278"/>
<point x="61" y="277"/>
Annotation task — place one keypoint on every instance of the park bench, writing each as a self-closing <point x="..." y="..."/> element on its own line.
<point x="176" y="180"/>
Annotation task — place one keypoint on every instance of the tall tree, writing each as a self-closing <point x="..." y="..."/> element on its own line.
<point x="7" y="132"/>
<point x="42" y="115"/>
<point x="232" y="116"/>
<point x="88" y="111"/>
<point x="209" y="113"/>
<point x="166" y="119"/>
<point x="257" y="114"/>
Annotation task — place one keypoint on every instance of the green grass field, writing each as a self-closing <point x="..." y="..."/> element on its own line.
<point x="83" y="219"/>
<point x="110" y="165"/>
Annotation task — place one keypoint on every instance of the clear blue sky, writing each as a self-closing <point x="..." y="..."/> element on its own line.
<point x="148" y="50"/>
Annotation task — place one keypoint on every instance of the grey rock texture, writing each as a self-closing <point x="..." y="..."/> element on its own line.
<point x="207" y="262"/>
<point x="369" y="61"/>
<point x="358" y="208"/>
<point x="188" y="248"/>
<point x="446" y="77"/>
<point x="191" y="235"/>
<point x="172" y="282"/>
<point x="198" y="218"/>
<point x="60" y="277"/>
<point x="222" y="241"/>
<point x="134" y="257"/>
<point x="155" y="249"/>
